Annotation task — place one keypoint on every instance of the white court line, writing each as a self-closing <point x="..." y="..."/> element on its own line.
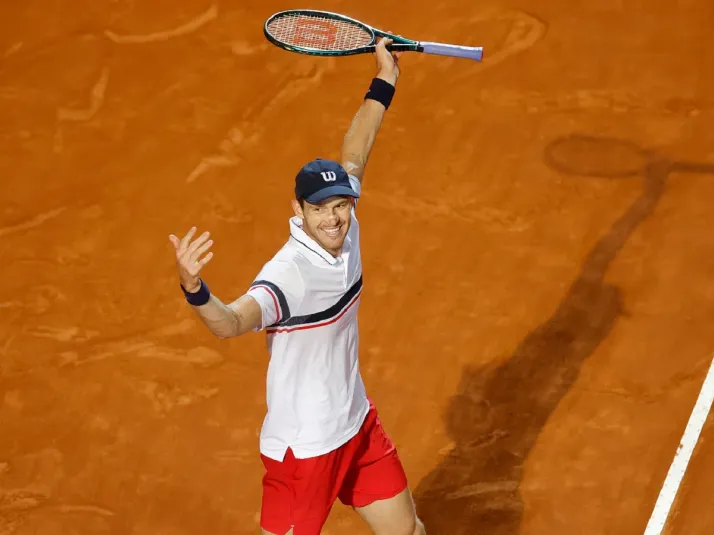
<point x="655" y="526"/>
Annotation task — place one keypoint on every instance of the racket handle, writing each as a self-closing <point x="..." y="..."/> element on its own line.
<point x="455" y="51"/>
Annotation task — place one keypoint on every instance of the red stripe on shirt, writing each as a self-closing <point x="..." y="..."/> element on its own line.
<point x="275" y="299"/>
<point x="323" y="324"/>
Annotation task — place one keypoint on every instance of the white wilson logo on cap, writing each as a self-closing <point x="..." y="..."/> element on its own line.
<point x="329" y="176"/>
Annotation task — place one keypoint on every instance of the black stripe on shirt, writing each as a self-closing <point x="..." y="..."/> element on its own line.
<point x="284" y="308"/>
<point x="325" y="315"/>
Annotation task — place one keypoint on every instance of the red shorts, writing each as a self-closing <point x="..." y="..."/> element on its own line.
<point x="299" y="493"/>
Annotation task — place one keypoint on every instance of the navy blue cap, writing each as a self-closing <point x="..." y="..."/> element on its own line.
<point x="321" y="179"/>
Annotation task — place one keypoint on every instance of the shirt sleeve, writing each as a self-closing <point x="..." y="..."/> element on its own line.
<point x="279" y="290"/>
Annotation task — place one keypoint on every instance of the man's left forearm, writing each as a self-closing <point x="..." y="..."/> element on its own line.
<point x="360" y="137"/>
<point x="361" y="134"/>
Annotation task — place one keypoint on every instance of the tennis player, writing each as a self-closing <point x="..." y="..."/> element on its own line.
<point x="321" y="438"/>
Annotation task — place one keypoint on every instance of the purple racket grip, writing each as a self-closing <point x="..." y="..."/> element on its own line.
<point x="455" y="51"/>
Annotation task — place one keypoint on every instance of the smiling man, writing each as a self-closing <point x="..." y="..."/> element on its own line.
<point x="321" y="438"/>
<point x="324" y="198"/>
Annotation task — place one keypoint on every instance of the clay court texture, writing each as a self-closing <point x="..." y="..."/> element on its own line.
<point x="536" y="321"/>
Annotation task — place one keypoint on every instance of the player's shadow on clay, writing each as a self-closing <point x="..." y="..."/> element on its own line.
<point x="496" y="417"/>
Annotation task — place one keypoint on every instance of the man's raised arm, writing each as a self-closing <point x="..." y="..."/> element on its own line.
<point x="360" y="137"/>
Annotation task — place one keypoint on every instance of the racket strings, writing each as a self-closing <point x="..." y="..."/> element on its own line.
<point x="319" y="33"/>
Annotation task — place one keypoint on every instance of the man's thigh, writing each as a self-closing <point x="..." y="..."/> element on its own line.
<point x="393" y="516"/>
<point x="376" y="484"/>
<point x="298" y="494"/>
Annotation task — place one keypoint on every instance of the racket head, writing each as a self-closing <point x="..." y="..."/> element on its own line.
<point x="323" y="33"/>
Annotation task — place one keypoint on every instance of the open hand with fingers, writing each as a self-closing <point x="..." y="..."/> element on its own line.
<point x="190" y="258"/>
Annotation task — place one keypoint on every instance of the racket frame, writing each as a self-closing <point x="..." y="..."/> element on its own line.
<point x="399" y="44"/>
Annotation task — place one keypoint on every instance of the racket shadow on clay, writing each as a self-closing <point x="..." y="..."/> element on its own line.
<point x="496" y="415"/>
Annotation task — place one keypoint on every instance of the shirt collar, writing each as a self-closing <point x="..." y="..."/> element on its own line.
<point x="298" y="234"/>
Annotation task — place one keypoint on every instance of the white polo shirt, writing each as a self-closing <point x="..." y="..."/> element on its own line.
<point x="315" y="395"/>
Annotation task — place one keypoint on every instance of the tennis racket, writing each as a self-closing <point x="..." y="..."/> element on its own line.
<point x="322" y="33"/>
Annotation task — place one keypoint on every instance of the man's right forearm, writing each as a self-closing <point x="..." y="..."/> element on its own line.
<point x="220" y="319"/>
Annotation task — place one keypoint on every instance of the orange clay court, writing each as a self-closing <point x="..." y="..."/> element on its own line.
<point x="537" y="319"/>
